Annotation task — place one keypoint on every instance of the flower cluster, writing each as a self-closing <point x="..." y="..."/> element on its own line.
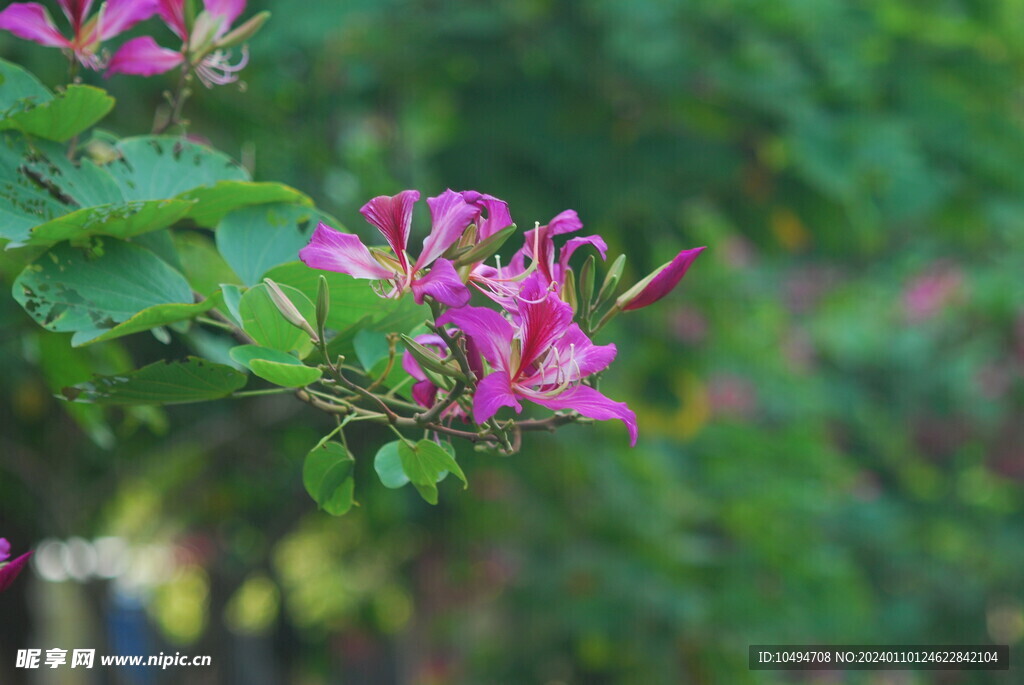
<point x="205" y="37"/>
<point x="10" y="570"/>
<point x="538" y="347"/>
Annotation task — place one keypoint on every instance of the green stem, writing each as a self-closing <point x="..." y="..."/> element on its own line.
<point x="257" y="393"/>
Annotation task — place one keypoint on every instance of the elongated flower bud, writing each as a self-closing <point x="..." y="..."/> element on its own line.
<point x="429" y="361"/>
<point x="568" y="294"/>
<point x="586" y="284"/>
<point x="323" y="303"/>
<point x="244" y="32"/>
<point x="288" y="309"/>
<point x="486" y="248"/>
<point x="611" y="279"/>
<point x="659" y="282"/>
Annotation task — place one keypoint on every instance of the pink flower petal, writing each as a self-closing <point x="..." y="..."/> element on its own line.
<point x="543" y="322"/>
<point x="493" y="393"/>
<point x="593" y="405"/>
<point x="488" y="330"/>
<point x="10" y="571"/>
<point x="173" y="14"/>
<point x="574" y="244"/>
<point x="5" y="549"/>
<point x="229" y="9"/>
<point x="424" y="393"/>
<point x="587" y="358"/>
<point x="450" y="215"/>
<point x="332" y="250"/>
<point x="565" y="222"/>
<point x="143" y="57"/>
<point x="498" y="216"/>
<point x="392" y="215"/>
<point x="120" y="15"/>
<point x="76" y="11"/>
<point x="665" y="280"/>
<point x="443" y="284"/>
<point x="31" y="21"/>
<point x="409" y="363"/>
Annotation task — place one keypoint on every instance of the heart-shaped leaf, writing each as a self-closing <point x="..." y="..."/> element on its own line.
<point x="327" y="476"/>
<point x="93" y="291"/>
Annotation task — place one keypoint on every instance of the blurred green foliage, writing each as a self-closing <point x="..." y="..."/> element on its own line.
<point x="830" y="407"/>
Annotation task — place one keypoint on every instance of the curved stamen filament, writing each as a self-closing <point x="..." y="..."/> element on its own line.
<point x="216" y="68"/>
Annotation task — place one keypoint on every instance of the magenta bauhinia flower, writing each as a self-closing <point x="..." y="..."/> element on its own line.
<point x="9" y="571"/>
<point x="202" y="41"/>
<point x="332" y="250"/>
<point x="660" y="282"/>
<point x="503" y="283"/>
<point x="543" y="359"/>
<point x="492" y="214"/>
<point x="32" y="21"/>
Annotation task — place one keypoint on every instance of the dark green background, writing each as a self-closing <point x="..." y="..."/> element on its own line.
<point x="831" y="426"/>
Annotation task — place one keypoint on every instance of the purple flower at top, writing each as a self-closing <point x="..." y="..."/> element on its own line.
<point x="542" y="358"/>
<point x="32" y="21"/>
<point x="143" y="56"/>
<point x="333" y="250"/>
<point x="492" y="214"/>
<point x="10" y="571"/>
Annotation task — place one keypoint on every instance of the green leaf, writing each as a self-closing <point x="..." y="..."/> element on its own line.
<point x="204" y="268"/>
<point x="280" y="368"/>
<point x="83" y="183"/>
<point x="371" y="347"/>
<point x="162" y="167"/>
<point x="256" y="239"/>
<point x="122" y="220"/>
<point x="262" y="320"/>
<point x="213" y="203"/>
<point x="18" y="84"/>
<point x="24" y="203"/>
<point x="232" y="299"/>
<point x="425" y="464"/>
<point x="61" y="117"/>
<point x="327" y="476"/>
<point x="93" y="291"/>
<point x="151" y="317"/>
<point x="352" y="300"/>
<point x="388" y="466"/>
<point x="165" y="382"/>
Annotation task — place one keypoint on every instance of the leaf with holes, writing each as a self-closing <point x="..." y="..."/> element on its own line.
<point x="165" y="382"/>
<point x="213" y="203"/>
<point x="61" y="117"/>
<point x="93" y="291"/>
<point x="24" y="202"/>
<point x="162" y="167"/>
<point x="123" y="220"/>
<point x="19" y="87"/>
